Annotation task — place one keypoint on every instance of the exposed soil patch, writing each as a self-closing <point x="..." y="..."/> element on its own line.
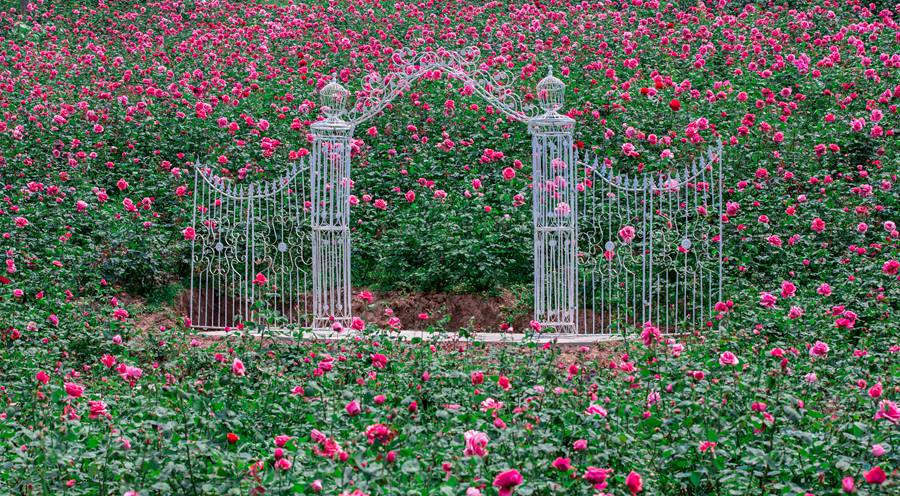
<point x="601" y="353"/>
<point x="146" y="322"/>
<point x="506" y="312"/>
<point x="479" y="313"/>
<point x="451" y="312"/>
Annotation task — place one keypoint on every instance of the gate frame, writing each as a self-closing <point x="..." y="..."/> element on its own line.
<point x="556" y="186"/>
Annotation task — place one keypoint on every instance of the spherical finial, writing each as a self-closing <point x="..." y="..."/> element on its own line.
<point x="551" y="92"/>
<point x="333" y="98"/>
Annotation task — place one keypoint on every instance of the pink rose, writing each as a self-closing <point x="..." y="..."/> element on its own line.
<point x="476" y="442"/>
<point x="819" y="349"/>
<point x="888" y="410"/>
<point x="237" y="368"/>
<point x="875" y="476"/>
<point x="847" y="485"/>
<point x="507" y="481"/>
<point x="562" y="464"/>
<point x="728" y="358"/>
<point x="74" y="390"/>
<point x="596" y="476"/>
<point x="767" y="300"/>
<point x="634" y="482"/>
<point x="627" y="234"/>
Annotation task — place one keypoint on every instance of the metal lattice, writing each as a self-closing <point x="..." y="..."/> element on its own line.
<point x="650" y="247"/>
<point x="241" y="230"/>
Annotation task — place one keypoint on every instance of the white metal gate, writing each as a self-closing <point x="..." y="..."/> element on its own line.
<point x="650" y="247"/>
<point x="251" y="250"/>
<point x="611" y="252"/>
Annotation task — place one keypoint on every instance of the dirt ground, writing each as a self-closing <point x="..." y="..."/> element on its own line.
<point x="505" y="312"/>
<point x="476" y="313"/>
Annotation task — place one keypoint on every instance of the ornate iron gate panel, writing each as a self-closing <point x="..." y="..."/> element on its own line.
<point x="251" y="250"/>
<point x="650" y="247"/>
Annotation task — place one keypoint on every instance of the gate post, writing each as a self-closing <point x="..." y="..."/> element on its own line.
<point x="554" y="210"/>
<point x="330" y="212"/>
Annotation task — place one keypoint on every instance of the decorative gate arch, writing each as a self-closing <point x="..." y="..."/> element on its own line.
<point x="553" y="172"/>
<point x="585" y="271"/>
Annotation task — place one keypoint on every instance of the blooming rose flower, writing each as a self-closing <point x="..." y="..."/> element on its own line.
<point x="237" y="368"/>
<point x="888" y="410"/>
<point x="875" y="391"/>
<point x="706" y="446"/>
<point x="353" y="408"/>
<point x="596" y="476"/>
<point x="562" y="464"/>
<point x="74" y="390"/>
<point x="847" y="485"/>
<point x="476" y="442"/>
<point x="767" y="300"/>
<point x="819" y="349"/>
<point x="818" y="225"/>
<point x="788" y="289"/>
<point x="627" y="234"/>
<point x="595" y="409"/>
<point x="507" y="481"/>
<point x="477" y="378"/>
<point x="875" y="476"/>
<point x="379" y="361"/>
<point x="634" y="482"/>
<point x="380" y="433"/>
<point x="728" y="358"/>
<point x="97" y="409"/>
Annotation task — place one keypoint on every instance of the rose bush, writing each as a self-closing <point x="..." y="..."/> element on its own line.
<point x="172" y="415"/>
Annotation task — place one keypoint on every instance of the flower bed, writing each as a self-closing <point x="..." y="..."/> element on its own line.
<point x="239" y="416"/>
